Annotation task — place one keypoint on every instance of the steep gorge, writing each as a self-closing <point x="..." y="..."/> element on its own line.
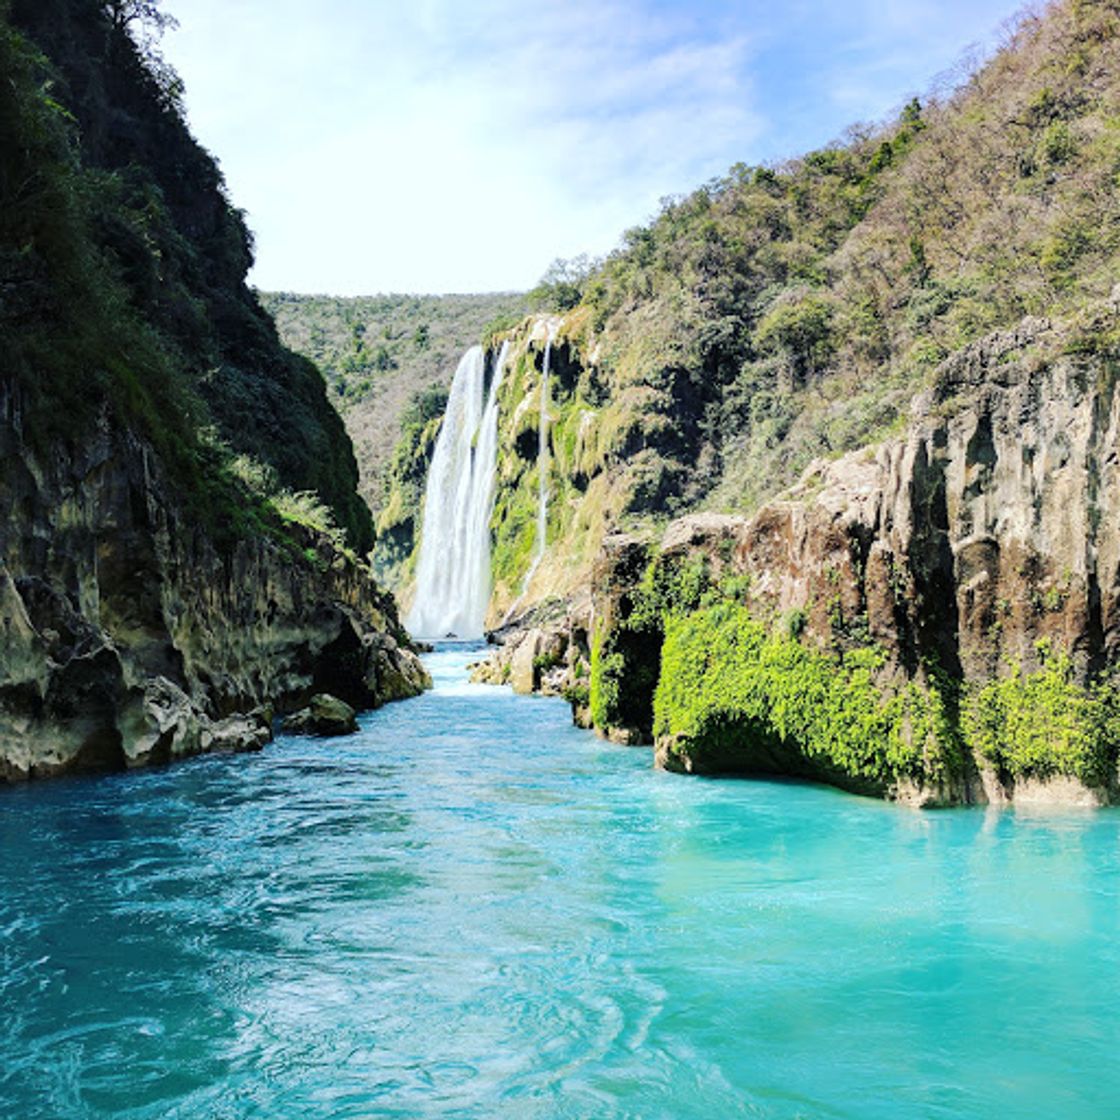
<point x="179" y="519"/>
<point x="899" y="405"/>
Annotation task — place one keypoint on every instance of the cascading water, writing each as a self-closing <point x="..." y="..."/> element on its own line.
<point x="453" y="576"/>
<point x="542" y="465"/>
<point x="542" y="474"/>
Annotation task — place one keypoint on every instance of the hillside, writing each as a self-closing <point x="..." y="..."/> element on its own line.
<point x="380" y="353"/>
<point x="783" y="314"/>
<point x="178" y="504"/>
<point x="817" y="297"/>
<point x="894" y="362"/>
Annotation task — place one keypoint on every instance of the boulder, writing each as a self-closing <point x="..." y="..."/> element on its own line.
<point x="393" y="673"/>
<point x="537" y="663"/>
<point x="159" y="723"/>
<point x="523" y="669"/>
<point x="240" y="733"/>
<point x="325" y="715"/>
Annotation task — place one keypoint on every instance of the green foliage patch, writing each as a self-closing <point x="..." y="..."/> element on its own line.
<point x="122" y="269"/>
<point x="731" y="688"/>
<point x="363" y="342"/>
<point x="625" y="657"/>
<point x="722" y="670"/>
<point x="1041" y="724"/>
<point x="783" y="313"/>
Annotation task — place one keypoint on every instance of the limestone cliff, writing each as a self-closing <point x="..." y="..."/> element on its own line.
<point x="613" y="455"/>
<point x="178" y="512"/>
<point x="128" y="637"/>
<point x="959" y="585"/>
<point x="942" y="606"/>
<point x="934" y="618"/>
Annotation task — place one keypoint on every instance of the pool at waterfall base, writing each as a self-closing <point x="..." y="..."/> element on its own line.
<point x="473" y="909"/>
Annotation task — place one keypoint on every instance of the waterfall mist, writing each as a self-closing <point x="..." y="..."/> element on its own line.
<point x="453" y="576"/>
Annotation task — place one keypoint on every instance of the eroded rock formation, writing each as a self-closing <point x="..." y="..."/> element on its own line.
<point x="959" y="584"/>
<point x="128" y="637"/>
<point x="982" y="546"/>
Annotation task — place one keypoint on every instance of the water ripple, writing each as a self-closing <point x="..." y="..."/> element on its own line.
<point x="471" y="909"/>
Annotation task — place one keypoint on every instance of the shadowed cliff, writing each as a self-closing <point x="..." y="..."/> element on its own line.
<point x="179" y="521"/>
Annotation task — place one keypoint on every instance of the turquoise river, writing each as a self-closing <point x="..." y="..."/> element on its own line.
<point x="472" y="909"/>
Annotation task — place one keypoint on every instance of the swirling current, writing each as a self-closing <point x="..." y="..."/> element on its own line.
<point x="472" y="909"/>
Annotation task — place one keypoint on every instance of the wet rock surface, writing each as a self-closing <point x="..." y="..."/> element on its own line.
<point x="324" y="716"/>
<point x="546" y="651"/>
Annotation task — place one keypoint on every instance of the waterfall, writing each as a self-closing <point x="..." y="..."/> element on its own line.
<point x="542" y="476"/>
<point x="542" y="466"/>
<point x="453" y="576"/>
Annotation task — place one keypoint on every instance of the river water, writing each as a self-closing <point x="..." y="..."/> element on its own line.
<point x="472" y="909"/>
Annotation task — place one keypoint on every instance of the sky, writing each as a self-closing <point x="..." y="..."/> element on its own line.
<point x="463" y="145"/>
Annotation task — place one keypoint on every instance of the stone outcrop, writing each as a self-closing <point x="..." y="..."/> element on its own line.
<point x="545" y="652"/>
<point x="393" y="671"/>
<point x="979" y="544"/>
<point x="993" y="524"/>
<point x="324" y="716"/>
<point x="128" y="636"/>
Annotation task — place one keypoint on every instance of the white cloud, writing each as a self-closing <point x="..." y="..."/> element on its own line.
<point x="445" y="145"/>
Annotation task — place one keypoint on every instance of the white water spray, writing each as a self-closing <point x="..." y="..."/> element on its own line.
<point x="453" y="576"/>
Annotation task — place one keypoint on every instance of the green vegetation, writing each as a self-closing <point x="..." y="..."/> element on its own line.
<point x="732" y="693"/>
<point x="501" y="324"/>
<point x="605" y="689"/>
<point x="626" y="649"/>
<point x="735" y="694"/>
<point x="398" y="528"/>
<point x="66" y="308"/>
<point x="624" y="673"/>
<point x="684" y="660"/>
<point x="1036" y="725"/>
<point x="122" y="268"/>
<point x="304" y="508"/>
<point x="784" y="313"/>
<point x="363" y="341"/>
<point x="389" y="361"/>
<point x="781" y="315"/>
<point x="578" y="694"/>
<point x="563" y="284"/>
<point x="516" y="499"/>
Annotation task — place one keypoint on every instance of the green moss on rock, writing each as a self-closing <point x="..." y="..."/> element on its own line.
<point x="1045" y="724"/>
<point x="736" y="696"/>
<point x="733" y="695"/>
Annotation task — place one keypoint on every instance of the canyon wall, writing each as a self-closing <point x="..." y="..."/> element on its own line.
<point x="128" y="636"/>
<point x="933" y="618"/>
<point x="179" y="523"/>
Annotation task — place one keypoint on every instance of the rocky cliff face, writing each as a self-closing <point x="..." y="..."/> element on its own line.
<point x="620" y="447"/>
<point x="920" y="316"/>
<point x="175" y="489"/>
<point x="127" y="637"/>
<point x="781" y="315"/>
<point x="990" y="528"/>
<point x="118" y="240"/>
<point x="934" y="619"/>
<point x="962" y="578"/>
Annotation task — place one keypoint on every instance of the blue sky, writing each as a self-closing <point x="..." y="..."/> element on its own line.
<point x="461" y="145"/>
